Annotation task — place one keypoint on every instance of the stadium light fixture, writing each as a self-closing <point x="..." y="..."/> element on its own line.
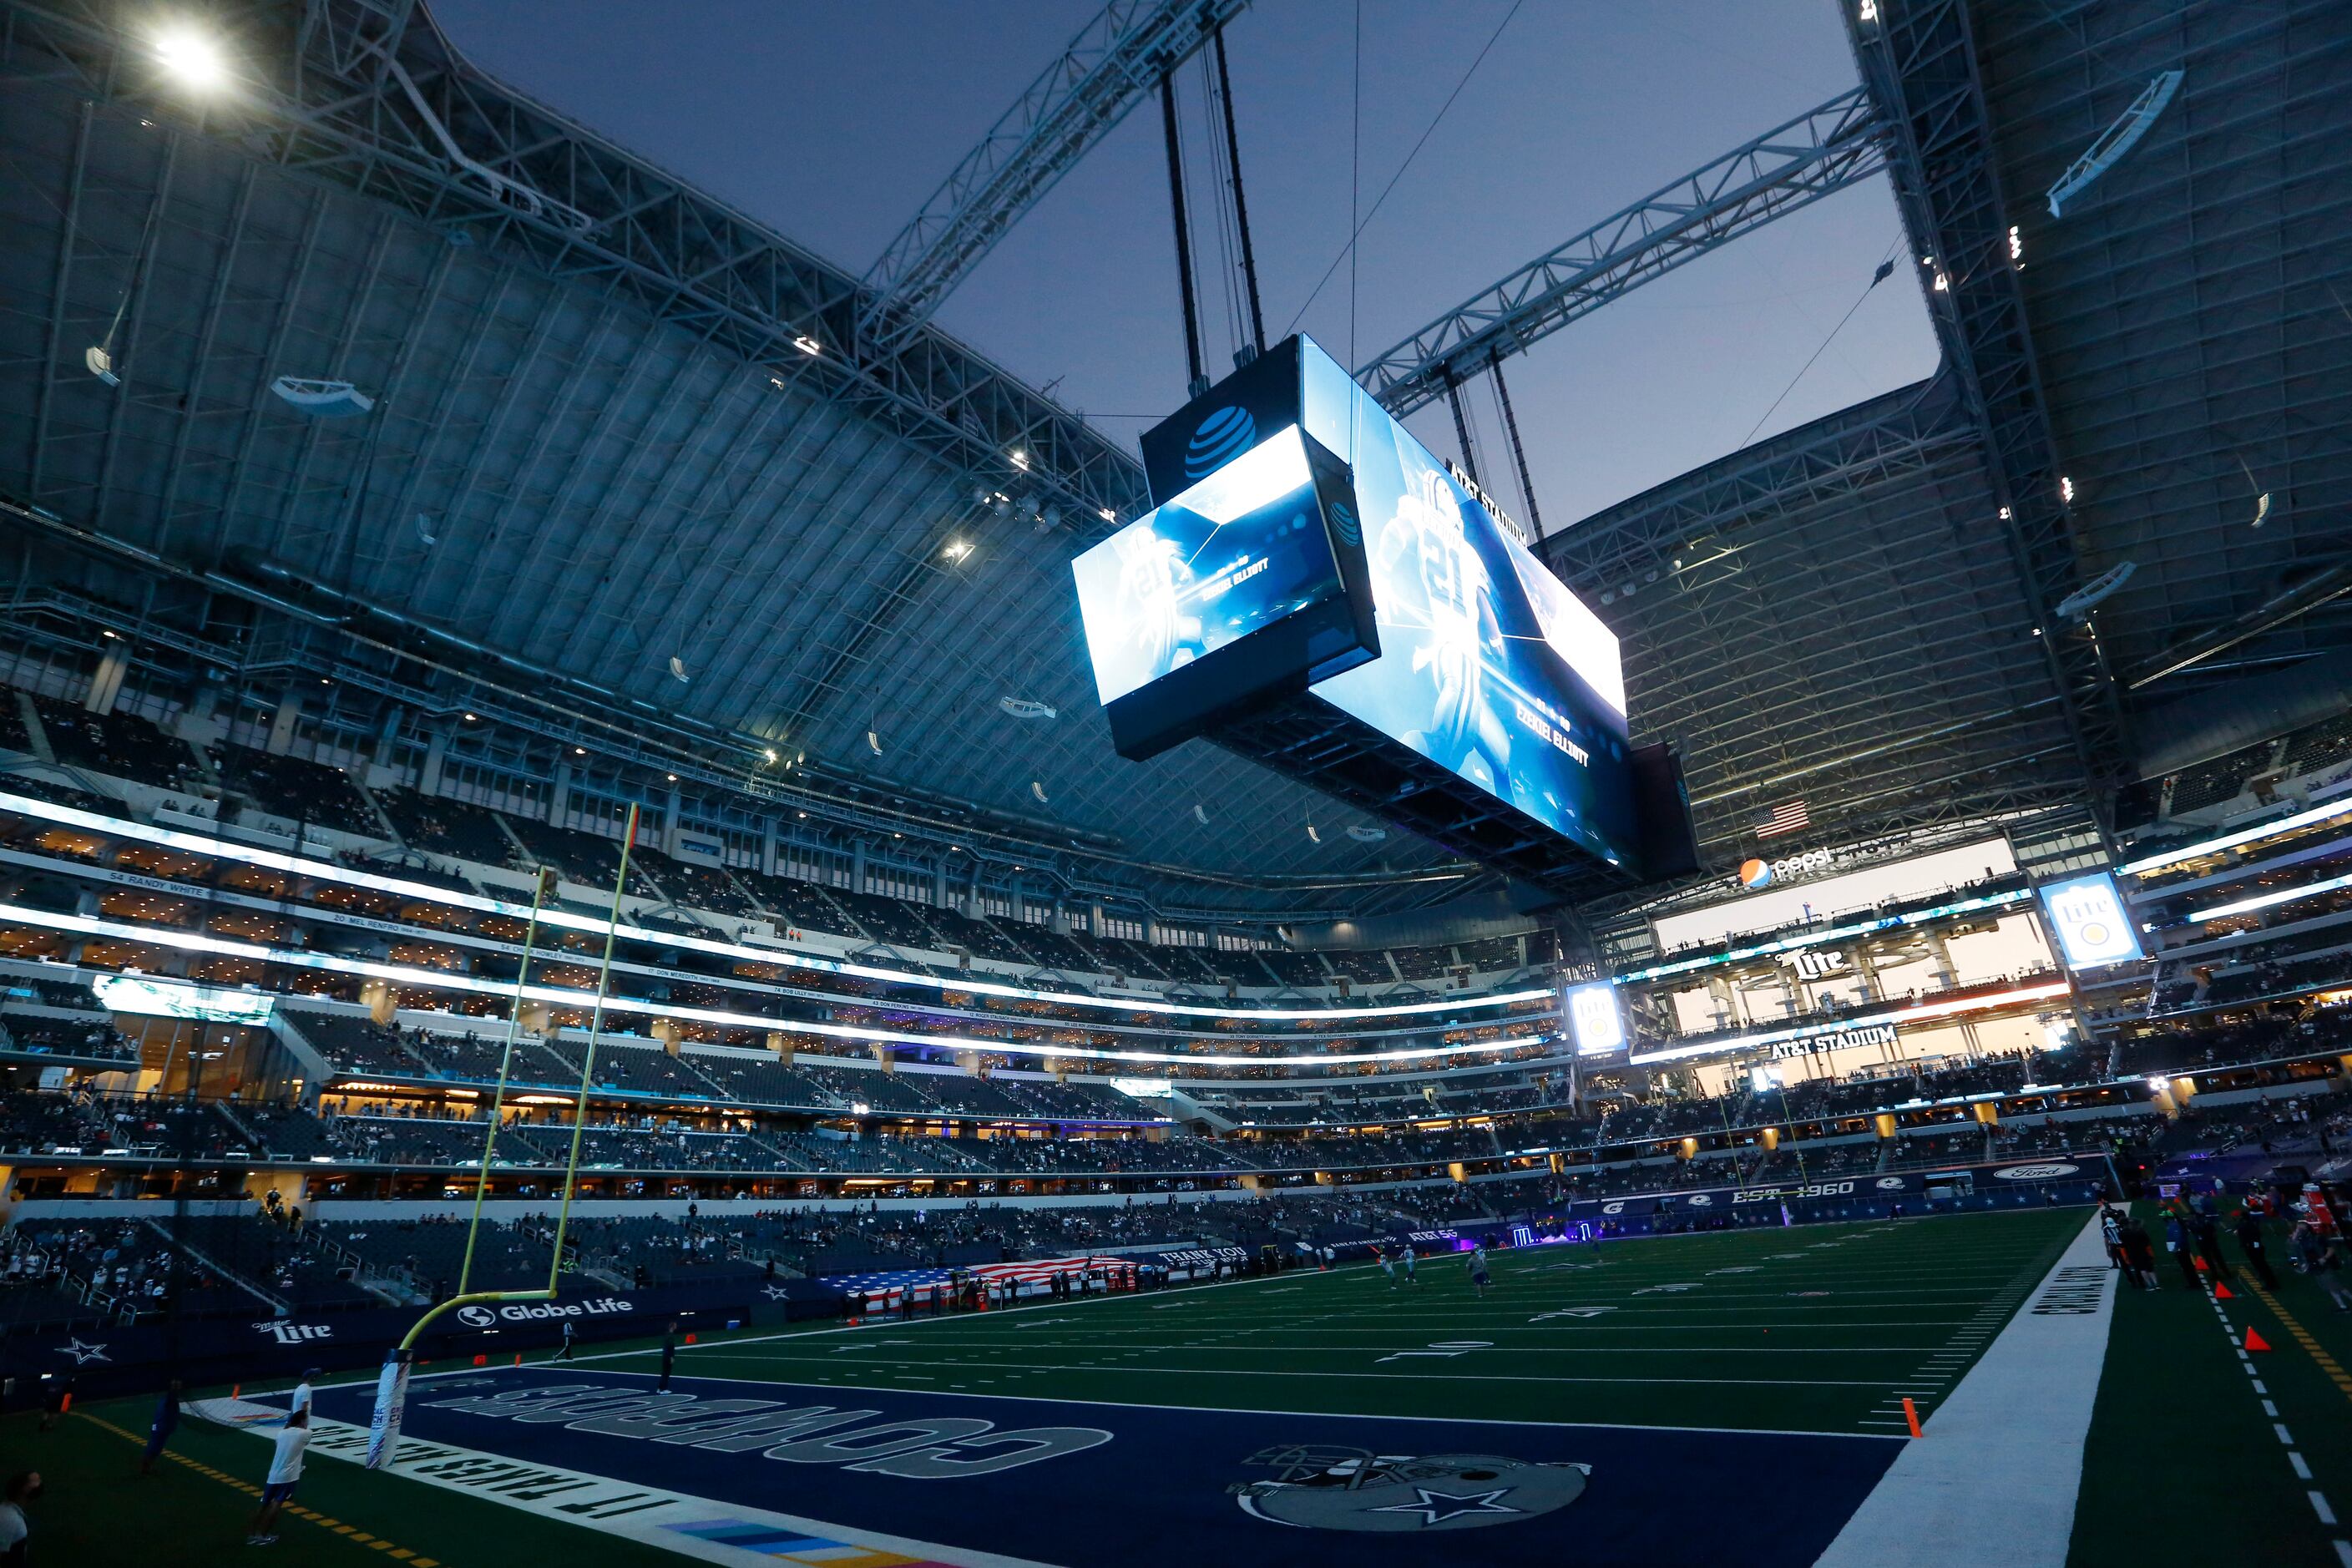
<point x="808" y="345"/>
<point x="769" y="752"/>
<point x="190" y="54"/>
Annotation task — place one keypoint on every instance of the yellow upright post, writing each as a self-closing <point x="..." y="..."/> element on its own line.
<point x="588" y="1062"/>
<point x="542" y="888"/>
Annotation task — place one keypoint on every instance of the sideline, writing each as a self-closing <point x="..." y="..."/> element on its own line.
<point x="1931" y="1508"/>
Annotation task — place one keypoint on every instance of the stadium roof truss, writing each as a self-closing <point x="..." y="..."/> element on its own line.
<point x="634" y="455"/>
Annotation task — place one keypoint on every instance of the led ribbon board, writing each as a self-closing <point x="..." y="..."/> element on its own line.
<point x="433" y="893"/>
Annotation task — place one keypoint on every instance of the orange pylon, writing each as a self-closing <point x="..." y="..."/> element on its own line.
<point x="1911" y="1414"/>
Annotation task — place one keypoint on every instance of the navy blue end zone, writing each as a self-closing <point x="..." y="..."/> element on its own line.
<point x="1070" y="1483"/>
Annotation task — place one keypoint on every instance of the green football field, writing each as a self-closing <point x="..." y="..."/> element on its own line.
<point x="1824" y="1329"/>
<point x="2196" y="1454"/>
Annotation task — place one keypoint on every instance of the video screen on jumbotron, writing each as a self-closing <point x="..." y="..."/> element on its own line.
<point x="1241" y="549"/>
<point x="1488" y="665"/>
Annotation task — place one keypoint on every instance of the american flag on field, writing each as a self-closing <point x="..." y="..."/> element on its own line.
<point x="1789" y="817"/>
<point x="888" y="1286"/>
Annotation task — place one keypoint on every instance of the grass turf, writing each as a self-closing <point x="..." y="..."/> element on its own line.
<point x="1821" y="1329"/>
<point x="2185" y="1462"/>
<point x="97" y="1510"/>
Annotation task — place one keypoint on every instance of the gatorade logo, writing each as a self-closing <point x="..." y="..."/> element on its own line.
<point x="1222" y="436"/>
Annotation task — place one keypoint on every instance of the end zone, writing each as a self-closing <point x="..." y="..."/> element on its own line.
<point x="734" y="1473"/>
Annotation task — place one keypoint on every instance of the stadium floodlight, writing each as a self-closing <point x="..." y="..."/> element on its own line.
<point x="192" y="55"/>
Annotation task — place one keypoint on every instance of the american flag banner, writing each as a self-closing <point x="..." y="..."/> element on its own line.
<point x="887" y="1287"/>
<point x="1789" y="817"/>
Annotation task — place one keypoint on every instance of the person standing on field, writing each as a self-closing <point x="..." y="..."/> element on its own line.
<point x="2248" y="1231"/>
<point x="285" y="1471"/>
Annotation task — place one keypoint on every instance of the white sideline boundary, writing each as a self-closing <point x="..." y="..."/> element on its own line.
<point x="1993" y="1483"/>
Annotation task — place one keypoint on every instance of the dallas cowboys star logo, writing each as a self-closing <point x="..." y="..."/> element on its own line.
<point x="1436" y="1507"/>
<point x="83" y="1355"/>
<point x="774" y="1292"/>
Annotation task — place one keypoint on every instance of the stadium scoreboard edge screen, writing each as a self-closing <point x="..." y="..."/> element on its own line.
<point x="1465" y="647"/>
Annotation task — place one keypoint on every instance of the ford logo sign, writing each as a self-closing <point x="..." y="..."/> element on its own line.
<point x="1222" y="436"/>
<point x="2035" y="1173"/>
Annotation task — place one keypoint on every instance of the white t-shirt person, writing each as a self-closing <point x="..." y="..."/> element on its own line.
<point x="286" y="1462"/>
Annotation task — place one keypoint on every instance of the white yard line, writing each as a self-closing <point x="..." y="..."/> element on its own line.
<point x="1928" y="1511"/>
<point x="875" y="1365"/>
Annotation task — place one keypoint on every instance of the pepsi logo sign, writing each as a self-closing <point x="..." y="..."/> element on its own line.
<point x="1761" y="873"/>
